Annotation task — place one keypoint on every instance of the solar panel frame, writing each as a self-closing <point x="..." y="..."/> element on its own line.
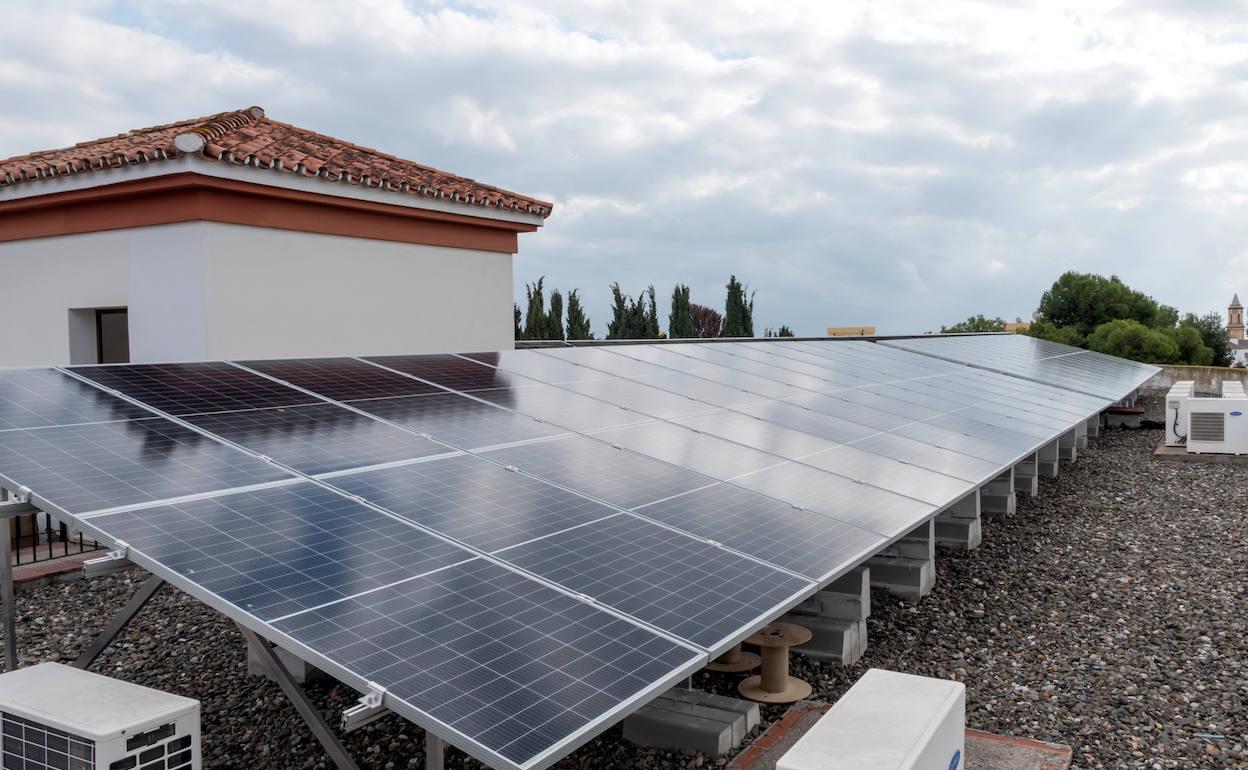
<point x="43" y="398"/>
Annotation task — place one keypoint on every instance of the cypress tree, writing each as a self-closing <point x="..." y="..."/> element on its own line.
<point x="650" y="327"/>
<point x="516" y="309"/>
<point x="619" y="314"/>
<point x="536" y="327"/>
<point x="738" y="311"/>
<point x="680" y="320"/>
<point x="578" y="324"/>
<point x="554" y="319"/>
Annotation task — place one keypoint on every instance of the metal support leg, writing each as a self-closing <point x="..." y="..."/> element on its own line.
<point x="119" y="621"/>
<point x="6" y="596"/>
<point x="435" y="752"/>
<point x="294" y="693"/>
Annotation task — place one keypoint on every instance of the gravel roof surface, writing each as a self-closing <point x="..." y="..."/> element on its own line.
<point x="1107" y="614"/>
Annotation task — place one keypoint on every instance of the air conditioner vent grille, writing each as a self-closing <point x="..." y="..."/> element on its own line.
<point x="1208" y="426"/>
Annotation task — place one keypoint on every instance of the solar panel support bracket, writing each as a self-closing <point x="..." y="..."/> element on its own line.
<point x="122" y="551"/>
<point x="370" y="707"/>
<point x="20" y="495"/>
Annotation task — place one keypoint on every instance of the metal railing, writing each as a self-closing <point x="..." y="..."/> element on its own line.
<point x="38" y="537"/>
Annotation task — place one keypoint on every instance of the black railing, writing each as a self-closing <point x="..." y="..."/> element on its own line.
<point x="39" y="537"/>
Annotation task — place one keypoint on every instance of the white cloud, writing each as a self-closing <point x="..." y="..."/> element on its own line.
<point x="892" y="162"/>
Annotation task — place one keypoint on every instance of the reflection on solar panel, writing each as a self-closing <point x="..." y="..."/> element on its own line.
<point x="1040" y="360"/>
<point x="521" y="547"/>
<point x="37" y="398"/>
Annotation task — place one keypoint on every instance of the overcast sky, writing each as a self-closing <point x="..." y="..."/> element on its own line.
<point x="893" y="164"/>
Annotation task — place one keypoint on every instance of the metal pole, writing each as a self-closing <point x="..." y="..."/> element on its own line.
<point x="6" y="596"/>
<point x="294" y="693"/>
<point x="435" y="752"/>
<point x="119" y="621"/>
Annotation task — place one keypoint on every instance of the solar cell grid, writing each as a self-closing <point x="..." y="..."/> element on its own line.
<point x="514" y="666"/>
<point x="776" y="358"/>
<point x="801" y="541"/>
<point x="531" y="363"/>
<point x="689" y="371"/>
<point x="36" y="398"/>
<point x="682" y="585"/>
<point x="181" y="389"/>
<point x="638" y="396"/>
<point x="892" y="474"/>
<point x="317" y="438"/>
<point x="473" y="501"/>
<point x="458" y="420"/>
<point x="281" y="550"/>
<point x="562" y="407"/>
<point x="83" y="468"/>
<point x="680" y="446"/>
<point x="712" y="355"/>
<point x="618" y="477"/>
<point x="341" y="379"/>
<point x="462" y="373"/>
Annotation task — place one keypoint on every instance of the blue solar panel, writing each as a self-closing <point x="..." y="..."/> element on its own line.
<point x="84" y="468"/>
<point x="281" y="550"/>
<point x="181" y="389"/>
<point x="37" y="398"/>
<point x="341" y="379"/>
<point x="459" y="420"/>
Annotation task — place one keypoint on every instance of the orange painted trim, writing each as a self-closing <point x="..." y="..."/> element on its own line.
<point x="191" y="197"/>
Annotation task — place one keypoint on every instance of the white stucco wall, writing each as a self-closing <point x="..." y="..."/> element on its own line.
<point x="205" y="290"/>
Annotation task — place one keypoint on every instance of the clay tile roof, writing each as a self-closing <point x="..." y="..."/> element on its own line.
<point x="248" y="138"/>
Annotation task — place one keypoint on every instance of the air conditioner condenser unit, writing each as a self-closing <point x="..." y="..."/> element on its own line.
<point x="55" y="716"/>
<point x="1217" y="426"/>
<point x="1176" y="412"/>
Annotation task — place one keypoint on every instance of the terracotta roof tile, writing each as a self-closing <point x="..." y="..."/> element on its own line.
<point x="247" y="137"/>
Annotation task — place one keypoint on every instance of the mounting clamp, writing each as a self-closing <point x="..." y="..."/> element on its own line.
<point x="370" y="707"/>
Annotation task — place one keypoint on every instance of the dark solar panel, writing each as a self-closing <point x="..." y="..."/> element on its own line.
<point x="458" y="420"/>
<point x="450" y="371"/>
<point x="596" y="469"/>
<point x="342" y="379"/>
<point x="181" y="389"/>
<point x="518" y="668"/>
<point x="677" y="583"/>
<point x="473" y="500"/>
<point x="36" y="398"/>
<point x="281" y="550"/>
<point x="84" y="468"/>
<point x="802" y="541"/>
<point x="318" y="438"/>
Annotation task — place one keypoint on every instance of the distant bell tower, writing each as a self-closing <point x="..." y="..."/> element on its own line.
<point x="1235" y="319"/>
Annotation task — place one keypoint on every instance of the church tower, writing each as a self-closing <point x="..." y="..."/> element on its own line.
<point x="1235" y="319"/>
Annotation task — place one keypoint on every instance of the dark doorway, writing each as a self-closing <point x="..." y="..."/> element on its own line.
<point x="112" y="335"/>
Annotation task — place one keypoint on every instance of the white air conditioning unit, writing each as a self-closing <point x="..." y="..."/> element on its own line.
<point x="1176" y="412"/>
<point x="55" y="716"/>
<point x="1217" y="426"/>
<point x="1233" y="389"/>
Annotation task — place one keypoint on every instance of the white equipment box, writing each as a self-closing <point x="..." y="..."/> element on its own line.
<point x="1217" y="426"/>
<point x="887" y="721"/>
<point x="1233" y="389"/>
<point x="1176" y="412"/>
<point x="55" y="716"/>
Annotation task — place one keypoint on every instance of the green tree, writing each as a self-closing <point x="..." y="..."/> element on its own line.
<point x="554" y="318"/>
<point x="1213" y="334"/>
<point x="976" y="323"/>
<point x="633" y="319"/>
<point x="783" y="331"/>
<point x="707" y="322"/>
<point x="1086" y="301"/>
<point x="1192" y="349"/>
<point x="1067" y="335"/>
<point x="738" y="311"/>
<point x="536" y="326"/>
<point x="578" y="323"/>
<point x="680" y="319"/>
<point x="516" y="309"/>
<point x="1128" y="338"/>
<point x="650" y="330"/>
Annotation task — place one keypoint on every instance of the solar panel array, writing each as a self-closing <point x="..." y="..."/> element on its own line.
<point x="521" y="547"/>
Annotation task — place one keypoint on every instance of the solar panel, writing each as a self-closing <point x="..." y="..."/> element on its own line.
<point x="37" y="398"/>
<point x="674" y="582"/>
<point x="517" y="673"/>
<point x="473" y="501"/>
<point x="455" y="372"/>
<point x="317" y="438"/>
<point x="800" y="541"/>
<point x="687" y="385"/>
<point x="561" y="407"/>
<point x="181" y="389"/>
<point x="342" y="379"/>
<point x="685" y="448"/>
<point x="83" y="468"/>
<point x="281" y="550"/>
<point x="458" y="420"/>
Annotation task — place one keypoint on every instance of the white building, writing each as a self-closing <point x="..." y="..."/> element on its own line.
<point x="236" y="236"/>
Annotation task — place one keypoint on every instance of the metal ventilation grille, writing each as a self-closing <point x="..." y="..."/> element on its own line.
<point x="31" y="746"/>
<point x="1208" y="426"/>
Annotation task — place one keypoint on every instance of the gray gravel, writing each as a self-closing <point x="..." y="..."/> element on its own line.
<point x="1107" y="614"/>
